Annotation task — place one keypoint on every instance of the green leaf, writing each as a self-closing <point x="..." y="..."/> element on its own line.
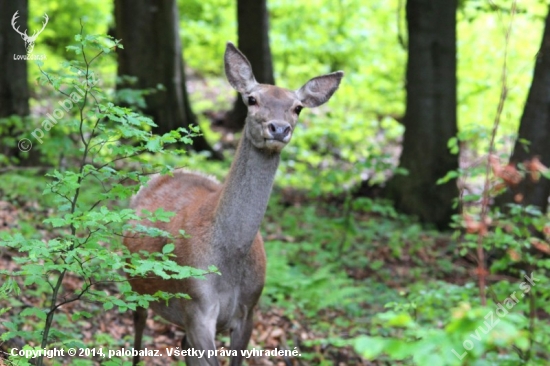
<point x="168" y="248"/>
<point x="453" y="146"/>
<point x="40" y="314"/>
<point x="450" y="175"/>
<point x="370" y="347"/>
<point x="154" y="144"/>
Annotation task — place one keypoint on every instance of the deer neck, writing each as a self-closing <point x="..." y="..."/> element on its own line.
<point x="244" y="197"/>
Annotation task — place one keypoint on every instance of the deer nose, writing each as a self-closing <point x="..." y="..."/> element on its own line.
<point x="279" y="130"/>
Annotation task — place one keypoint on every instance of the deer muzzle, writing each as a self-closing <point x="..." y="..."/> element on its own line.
<point x="279" y="131"/>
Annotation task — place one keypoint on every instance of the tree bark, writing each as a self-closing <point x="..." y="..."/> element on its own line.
<point x="534" y="128"/>
<point x="14" y="89"/>
<point x="253" y="41"/>
<point x="153" y="53"/>
<point x="430" y="119"/>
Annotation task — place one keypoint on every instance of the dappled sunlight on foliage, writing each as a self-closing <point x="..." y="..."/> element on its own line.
<point x="350" y="279"/>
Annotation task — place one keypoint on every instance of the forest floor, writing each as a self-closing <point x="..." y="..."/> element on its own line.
<point x="332" y="270"/>
<point x="318" y="332"/>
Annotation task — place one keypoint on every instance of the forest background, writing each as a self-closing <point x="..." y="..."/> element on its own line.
<point x="405" y="211"/>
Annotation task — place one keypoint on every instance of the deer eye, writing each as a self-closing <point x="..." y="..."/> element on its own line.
<point x="252" y="101"/>
<point x="298" y="109"/>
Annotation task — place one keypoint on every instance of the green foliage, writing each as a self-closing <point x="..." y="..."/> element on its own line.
<point x="81" y="230"/>
<point x="65" y="19"/>
<point x="351" y="141"/>
<point x="286" y="279"/>
<point x="336" y="153"/>
<point x="480" y="30"/>
<point x="470" y="334"/>
<point x="299" y="273"/>
<point x="467" y="339"/>
<point x="354" y="141"/>
<point x="205" y="27"/>
<point x="338" y="265"/>
<point x="507" y="331"/>
<point x="310" y="273"/>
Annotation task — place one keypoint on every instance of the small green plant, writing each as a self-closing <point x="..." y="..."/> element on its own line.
<point x="88" y="217"/>
<point x="473" y="335"/>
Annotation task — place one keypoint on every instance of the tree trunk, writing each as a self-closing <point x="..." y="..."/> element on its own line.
<point x="153" y="53"/>
<point x="430" y="119"/>
<point x="534" y="128"/>
<point x="253" y="34"/>
<point x="14" y="88"/>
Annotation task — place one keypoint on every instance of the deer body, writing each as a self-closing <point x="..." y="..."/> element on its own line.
<point x="223" y="221"/>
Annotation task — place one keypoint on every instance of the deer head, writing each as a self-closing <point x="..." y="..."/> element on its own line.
<point x="273" y="111"/>
<point x="29" y="40"/>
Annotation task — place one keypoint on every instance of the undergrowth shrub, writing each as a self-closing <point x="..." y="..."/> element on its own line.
<point x="502" y="321"/>
<point x="102" y="154"/>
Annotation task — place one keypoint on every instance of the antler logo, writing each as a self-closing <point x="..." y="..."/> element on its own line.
<point x="29" y="41"/>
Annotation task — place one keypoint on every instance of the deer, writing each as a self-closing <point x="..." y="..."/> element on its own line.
<point x="223" y="220"/>
<point x="29" y="40"/>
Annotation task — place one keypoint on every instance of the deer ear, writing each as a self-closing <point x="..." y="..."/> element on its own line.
<point x="319" y="90"/>
<point x="238" y="70"/>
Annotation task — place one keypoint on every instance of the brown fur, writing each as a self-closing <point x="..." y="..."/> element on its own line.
<point x="223" y="221"/>
<point x="193" y="196"/>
